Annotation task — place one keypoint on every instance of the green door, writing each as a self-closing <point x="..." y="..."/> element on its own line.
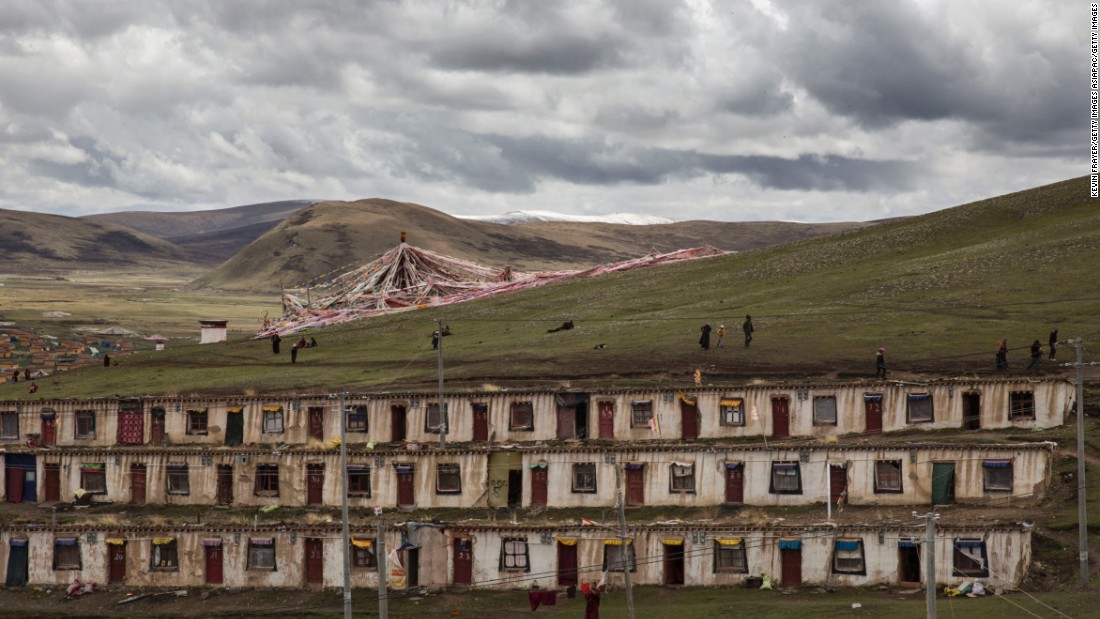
<point x="943" y="483"/>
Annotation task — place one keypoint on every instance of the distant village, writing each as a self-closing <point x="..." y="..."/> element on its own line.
<point x="25" y="355"/>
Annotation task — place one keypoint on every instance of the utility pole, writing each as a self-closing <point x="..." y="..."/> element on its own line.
<point x="344" y="505"/>
<point x="929" y="563"/>
<point x="828" y="490"/>
<point x="625" y="551"/>
<point x="1082" y="521"/>
<point x="381" y="562"/>
<point x="442" y="407"/>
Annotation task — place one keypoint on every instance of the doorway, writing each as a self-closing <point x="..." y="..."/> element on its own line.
<point x="481" y="422"/>
<point x="412" y="568"/>
<point x="791" y="564"/>
<point x="156" y="427"/>
<point x="689" y="421"/>
<point x="972" y="411"/>
<point x="315" y="561"/>
<point x="781" y="418"/>
<point x="674" y="563"/>
<point x="838" y="484"/>
<point x="735" y="483"/>
<point x="539" y="483"/>
<point x="317" y="423"/>
<point x="398" y="419"/>
<point x="635" y="485"/>
<point x="406" y="496"/>
<point x="213" y="550"/>
<point x="463" y="561"/>
<point x="315" y="483"/>
<point x="607" y="419"/>
<point x="49" y="429"/>
<point x="872" y="409"/>
<point x="234" y="427"/>
<point x="131" y="425"/>
<point x="52" y="483"/>
<point x="225" y="484"/>
<point x="116" y="553"/>
<point x="18" y="562"/>
<point x="515" y="488"/>
<point x="137" y="484"/>
<point x="908" y="563"/>
<point x="943" y="483"/>
<point x="21" y="475"/>
<point x="567" y="563"/>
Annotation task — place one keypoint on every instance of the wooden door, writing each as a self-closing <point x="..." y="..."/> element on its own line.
<point x="317" y="423"/>
<point x="213" y="563"/>
<point x="567" y="422"/>
<point x="131" y="428"/>
<point x="674" y="564"/>
<point x="156" y="428"/>
<point x="137" y="484"/>
<point x="315" y="561"/>
<point x="49" y="430"/>
<point x="406" y="494"/>
<point x="463" y="561"/>
<point x="13" y="475"/>
<point x="225" y="485"/>
<point x="972" y="411"/>
<point x="791" y="561"/>
<point x="315" y="484"/>
<point x="735" y="483"/>
<point x="397" y="423"/>
<point x="872" y="410"/>
<point x="539" y="479"/>
<point x="567" y="564"/>
<point x="481" y="422"/>
<point x="607" y="419"/>
<point x="52" y="474"/>
<point x="635" y="486"/>
<point x="838" y="484"/>
<point x="781" y="418"/>
<point x="689" y="421"/>
<point x="117" y="555"/>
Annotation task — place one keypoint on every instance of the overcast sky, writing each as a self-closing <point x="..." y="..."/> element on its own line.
<point x="726" y="110"/>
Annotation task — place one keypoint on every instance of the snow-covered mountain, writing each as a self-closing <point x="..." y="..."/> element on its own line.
<point x="516" y="217"/>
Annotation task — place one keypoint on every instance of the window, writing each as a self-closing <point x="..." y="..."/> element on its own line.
<point x="273" y="420"/>
<point x="66" y="554"/>
<point x="681" y="478"/>
<point x="997" y="475"/>
<point x="359" y="481"/>
<point x="786" y="478"/>
<point x="848" y="556"/>
<point x="888" y="476"/>
<point x="9" y="426"/>
<point x="731" y="412"/>
<point x="93" y="478"/>
<point x="197" y="421"/>
<point x="267" y="480"/>
<point x="165" y="556"/>
<point x="970" y="558"/>
<point x="641" y="413"/>
<point x="614" y="559"/>
<point x="362" y="552"/>
<point x="522" y="417"/>
<point x="1021" y="405"/>
<point x="584" y="477"/>
<point x="356" y="419"/>
<point x="513" y="555"/>
<point x="85" y="424"/>
<point x="825" y="410"/>
<point x="919" y="408"/>
<point x="448" y="479"/>
<point x="178" y="481"/>
<point x="433" y="419"/>
<point x="729" y="556"/>
<point x="261" y="553"/>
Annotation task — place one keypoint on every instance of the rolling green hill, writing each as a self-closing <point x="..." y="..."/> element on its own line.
<point x="938" y="291"/>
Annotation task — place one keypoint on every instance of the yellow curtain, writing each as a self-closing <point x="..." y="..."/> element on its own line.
<point x="728" y="541"/>
<point x="687" y="400"/>
<point x="160" y="541"/>
<point x="567" y="541"/>
<point x="616" y="542"/>
<point x="272" y="409"/>
<point x="733" y="402"/>
<point x="115" y="541"/>
<point x="234" y="409"/>
<point x="672" y="541"/>
<point x="362" y="543"/>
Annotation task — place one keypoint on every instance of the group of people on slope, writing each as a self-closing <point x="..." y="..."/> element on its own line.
<point x="704" y="337"/>
<point x="1036" y="352"/>
<point x="276" y="343"/>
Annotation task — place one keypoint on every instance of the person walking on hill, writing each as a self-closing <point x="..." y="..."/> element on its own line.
<point x="1036" y="355"/>
<point x="748" y="329"/>
<point x="106" y="360"/>
<point x="1053" y="342"/>
<point x="704" y="337"/>
<point x="275" y="341"/>
<point x="880" y="364"/>
<point x="34" y="387"/>
<point x="294" y="354"/>
<point x="1002" y="355"/>
<point x="721" y="334"/>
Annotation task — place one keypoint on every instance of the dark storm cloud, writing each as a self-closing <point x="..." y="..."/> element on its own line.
<point x="556" y="55"/>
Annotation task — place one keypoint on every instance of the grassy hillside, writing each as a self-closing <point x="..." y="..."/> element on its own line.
<point x="938" y="291"/>
<point x="337" y="235"/>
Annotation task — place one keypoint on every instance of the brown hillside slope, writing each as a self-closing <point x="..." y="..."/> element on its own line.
<point x="335" y="236"/>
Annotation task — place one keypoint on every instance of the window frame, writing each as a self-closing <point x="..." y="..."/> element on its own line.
<point x="198" y="422"/>
<point x="177" y="474"/>
<point x="356" y="420"/>
<point x="258" y="551"/>
<point x="9" y="418"/>
<point x="448" y="472"/>
<point x="911" y="399"/>
<point x="364" y="558"/>
<point x="881" y="488"/>
<point x="272" y="420"/>
<point x="98" y="473"/>
<point x="433" y="410"/>
<point x="817" y="418"/>
<point x="74" y="562"/>
<point x="266" y="479"/>
<point x="172" y="551"/>
<point x="689" y="475"/>
<point x="577" y="473"/>
<point x="736" y="413"/>
<point x="1018" y="410"/>
<point x="980" y="563"/>
<point x="859" y="561"/>
<point x="784" y="465"/>
<point x="84" y="425"/>
<point x="638" y="408"/>
<point x="516" y="412"/>
<point x="356" y="476"/>
<point x="991" y="475"/>
<point x="514" y="550"/>
<point x="728" y="566"/>
<point x="616" y="564"/>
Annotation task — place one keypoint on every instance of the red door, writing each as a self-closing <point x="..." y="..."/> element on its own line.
<point x="781" y="417"/>
<point x="405" y="492"/>
<point x="481" y="422"/>
<point x="213" y="550"/>
<point x="397" y="423"/>
<point x="315" y="561"/>
<point x="225" y="485"/>
<point x="792" y="567"/>
<point x="872" y="406"/>
<point x="137" y="483"/>
<point x="14" y="477"/>
<point x="463" y="562"/>
<point x="567" y="422"/>
<point x="156" y="427"/>
<point x="689" y="421"/>
<point x="735" y="483"/>
<point x="49" y="430"/>
<point x="131" y="428"/>
<point x="838" y="484"/>
<point x="538" y="486"/>
<point x="52" y="473"/>
<point x="317" y="423"/>
<point x="117" y="554"/>
<point x="607" y="419"/>
<point x="635" y="486"/>
<point x="567" y="564"/>
<point x="315" y="484"/>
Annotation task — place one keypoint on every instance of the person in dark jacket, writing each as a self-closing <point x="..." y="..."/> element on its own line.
<point x="748" y="329"/>
<point x="1002" y="355"/>
<point x="275" y="341"/>
<point x="704" y="337"/>
<point x="880" y="363"/>
<point x="592" y="600"/>
<point x="106" y="361"/>
<point x="294" y="354"/>
<point x="1053" y="343"/>
<point x="1036" y="355"/>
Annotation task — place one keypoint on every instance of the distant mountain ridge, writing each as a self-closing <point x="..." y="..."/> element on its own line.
<point x="516" y="217"/>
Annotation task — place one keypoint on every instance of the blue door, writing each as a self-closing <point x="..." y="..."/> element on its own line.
<point x="21" y="474"/>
